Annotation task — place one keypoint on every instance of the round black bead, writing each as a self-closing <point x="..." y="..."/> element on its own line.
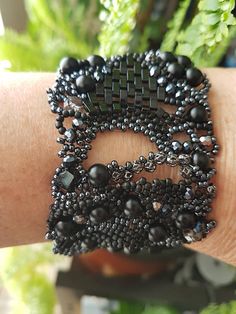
<point x="194" y="76"/>
<point x="185" y="221"/>
<point x="96" y="60"/>
<point x="85" y="84"/>
<point x="185" y="61"/>
<point x="157" y="233"/>
<point x="98" y="175"/>
<point x="201" y="159"/>
<point x="69" y="65"/>
<point x="198" y="114"/>
<point x="167" y="56"/>
<point x="176" y="69"/>
<point x="133" y="206"/>
<point x="99" y="214"/>
<point x="66" y="228"/>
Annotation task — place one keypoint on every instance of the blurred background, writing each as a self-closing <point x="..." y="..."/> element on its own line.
<point x="34" y="36"/>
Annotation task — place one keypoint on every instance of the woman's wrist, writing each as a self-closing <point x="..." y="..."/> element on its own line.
<point x="29" y="157"/>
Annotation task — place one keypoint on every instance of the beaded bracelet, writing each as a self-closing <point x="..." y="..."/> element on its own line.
<point x="105" y="206"/>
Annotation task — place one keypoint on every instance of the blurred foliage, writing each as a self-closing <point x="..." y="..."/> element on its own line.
<point x="55" y="28"/>
<point x="118" y="17"/>
<point x="207" y="37"/>
<point x="139" y="308"/>
<point x="82" y="27"/>
<point x="23" y="275"/>
<point x="229" y="308"/>
<point x="174" y="26"/>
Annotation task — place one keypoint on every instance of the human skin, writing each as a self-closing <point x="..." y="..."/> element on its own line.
<point x="28" y="152"/>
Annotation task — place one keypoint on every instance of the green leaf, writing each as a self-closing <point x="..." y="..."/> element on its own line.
<point x="116" y="31"/>
<point x="229" y="308"/>
<point x="125" y="307"/>
<point x="208" y="30"/>
<point x="174" y="26"/>
<point x="53" y="31"/>
<point x="160" y="309"/>
<point x="209" y="5"/>
<point x="212" y="18"/>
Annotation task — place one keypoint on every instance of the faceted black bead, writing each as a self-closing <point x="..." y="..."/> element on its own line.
<point x="65" y="179"/>
<point x="69" y="65"/>
<point x="184" y="60"/>
<point x="85" y="84"/>
<point x="69" y="161"/>
<point x="133" y="206"/>
<point x="176" y="69"/>
<point x="202" y="160"/>
<point x="188" y="194"/>
<point x="79" y="123"/>
<point x="165" y="210"/>
<point x="157" y="233"/>
<point x="170" y="88"/>
<point x="186" y="221"/>
<point x="167" y="56"/>
<point x="99" y="214"/>
<point x="96" y="60"/>
<point x="187" y="146"/>
<point x="70" y="135"/>
<point x="155" y="71"/>
<point x="194" y="76"/>
<point x="198" y="114"/>
<point x="176" y="146"/>
<point x="98" y="175"/>
<point x="66" y="228"/>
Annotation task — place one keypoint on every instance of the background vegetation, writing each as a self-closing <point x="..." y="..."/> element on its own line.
<point x="200" y="29"/>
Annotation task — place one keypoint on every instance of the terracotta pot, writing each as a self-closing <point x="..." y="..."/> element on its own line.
<point x="114" y="264"/>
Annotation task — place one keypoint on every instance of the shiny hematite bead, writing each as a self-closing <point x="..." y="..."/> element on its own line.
<point x="160" y="158"/>
<point x="184" y="159"/>
<point x="70" y="135"/>
<point x="206" y="140"/>
<point x="172" y="160"/>
<point x="176" y="146"/>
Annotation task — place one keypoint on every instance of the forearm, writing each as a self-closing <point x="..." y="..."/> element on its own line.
<point x="29" y="158"/>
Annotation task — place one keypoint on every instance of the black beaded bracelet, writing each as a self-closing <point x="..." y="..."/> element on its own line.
<point x="104" y="206"/>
